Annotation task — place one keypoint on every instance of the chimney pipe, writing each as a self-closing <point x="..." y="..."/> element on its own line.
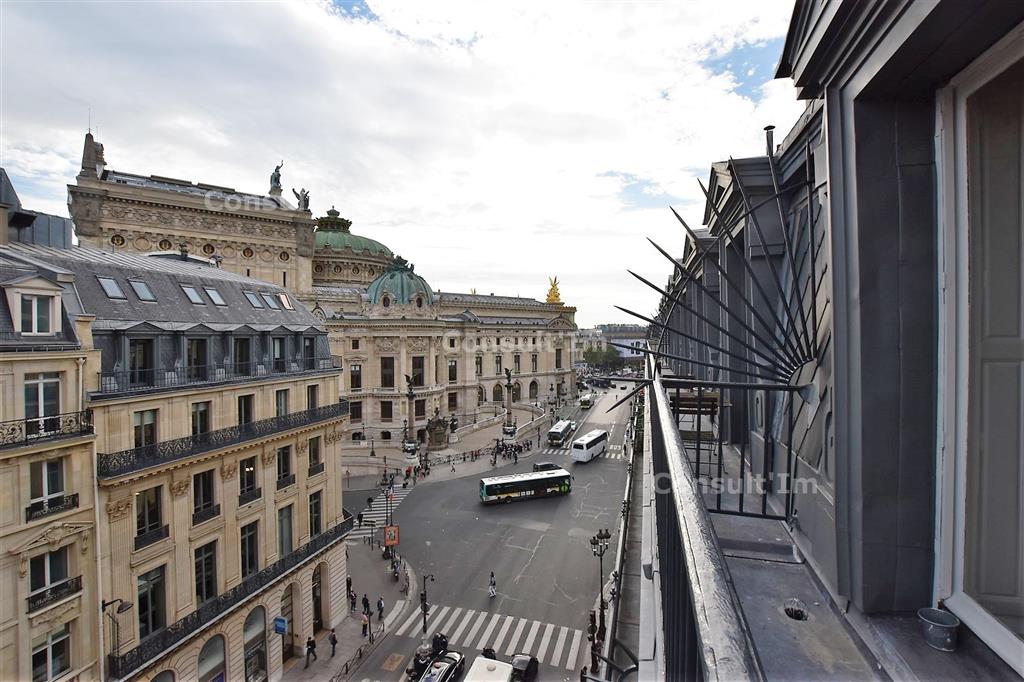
<point x="770" y="139"/>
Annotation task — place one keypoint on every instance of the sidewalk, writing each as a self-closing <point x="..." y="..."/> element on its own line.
<point x="370" y="576"/>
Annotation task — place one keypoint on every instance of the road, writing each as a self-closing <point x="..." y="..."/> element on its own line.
<point x="539" y="551"/>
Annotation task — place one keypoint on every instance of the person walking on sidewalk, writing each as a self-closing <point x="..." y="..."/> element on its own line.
<point x="453" y="467"/>
<point x="366" y="625"/>
<point x="352" y="600"/>
<point x="333" y="639"/>
<point x="380" y="607"/>
<point x="366" y="605"/>
<point x="310" y="650"/>
<point x="492" y="586"/>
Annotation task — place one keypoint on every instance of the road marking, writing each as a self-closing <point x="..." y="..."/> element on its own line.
<point x="392" y="662"/>
<point x="435" y="618"/>
<point x="476" y="627"/>
<point x="487" y="632"/>
<point x="544" y="641"/>
<point x="557" y="655"/>
<point x="496" y="644"/>
<point x="515" y="636"/>
<point x="533" y="633"/>
<point x="406" y="624"/>
<point x="462" y="625"/>
<point x="574" y="650"/>
<point x="451" y="620"/>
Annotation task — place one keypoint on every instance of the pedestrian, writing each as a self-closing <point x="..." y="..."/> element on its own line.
<point x="380" y="607"/>
<point x="492" y="586"/>
<point x="369" y="503"/>
<point x="333" y="639"/>
<point x="348" y="584"/>
<point x="453" y="467"/>
<point x="583" y="674"/>
<point x="310" y="650"/>
<point x="366" y="625"/>
<point x="359" y="519"/>
<point x="352" y="600"/>
<point x="366" y="604"/>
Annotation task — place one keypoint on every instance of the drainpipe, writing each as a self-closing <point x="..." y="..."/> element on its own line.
<point x="80" y="361"/>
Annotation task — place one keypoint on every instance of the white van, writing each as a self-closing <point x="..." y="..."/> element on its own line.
<point x="488" y="670"/>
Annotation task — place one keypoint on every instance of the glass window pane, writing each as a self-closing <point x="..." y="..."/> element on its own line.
<point x="215" y="296"/>
<point x="42" y="315"/>
<point x="271" y="301"/>
<point x="193" y="295"/>
<point x="111" y="288"/>
<point x="253" y="299"/>
<point x="142" y="290"/>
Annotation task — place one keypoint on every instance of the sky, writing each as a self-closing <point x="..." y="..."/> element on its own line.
<point x="493" y="145"/>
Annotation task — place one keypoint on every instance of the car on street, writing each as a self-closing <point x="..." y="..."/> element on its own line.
<point x="572" y="425"/>
<point x="445" y="668"/>
<point x="524" y="667"/>
<point x="489" y="670"/>
<point x="545" y="466"/>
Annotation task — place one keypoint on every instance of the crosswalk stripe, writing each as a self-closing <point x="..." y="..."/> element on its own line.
<point x="476" y="627"/>
<point x="496" y="644"/>
<point x="544" y="641"/>
<point x="515" y="636"/>
<point x="487" y="632"/>
<point x="574" y="650"/>
<point x="462" y="626"/>
<point x="434" y="618"/>
<point x="408" y="622"/>
<point x="557" y="655"/>
<point x="451" y="620"/>
<point x="531" y="636"/>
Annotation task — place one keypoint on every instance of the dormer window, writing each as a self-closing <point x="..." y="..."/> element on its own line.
<point x="270" y="301"/>
<point x="36" y="314"/>
<point x="141" y="290"/>
<point x="193" y="295"/>
<point x="111" y="288"/>
<point x="286" y="302"/>
<point x="214" y="296"/>
<point x="253" y="299"/>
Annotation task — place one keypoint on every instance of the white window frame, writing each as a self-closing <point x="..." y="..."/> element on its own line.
<point x="50" y="582"/>
<point x="64" y="633"/>
<point x="40" y="380"/>
<point x="37" y="301"/>
<point x="953" y="348"/>
<point x="47" y="493"/>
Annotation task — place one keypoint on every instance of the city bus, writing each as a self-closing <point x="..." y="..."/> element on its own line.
<point x="559" y="432"/>
<point x="525" y="486"/>
<point x="587" y="401"/>
<point x="586" y="448"/>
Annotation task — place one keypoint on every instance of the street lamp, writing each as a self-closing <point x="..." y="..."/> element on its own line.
<point x="423" y="603"/>
<point x="599" y="545"/>
<point x="373" y="453"/>
<point x="122" y="607"/>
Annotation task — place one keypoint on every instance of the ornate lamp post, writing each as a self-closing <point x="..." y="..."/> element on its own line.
<point x="423" y="603"/>
<point x="599" y="545"/>
<point x="122" y="607"/>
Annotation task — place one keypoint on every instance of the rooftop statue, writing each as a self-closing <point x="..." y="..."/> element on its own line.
<point x="275" y="177"/>
<point x="553" y="295"/>
<point x="303" y="198"/>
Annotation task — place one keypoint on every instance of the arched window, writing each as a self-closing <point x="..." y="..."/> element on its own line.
<point x="481" y="396"/>
<point x="211" y="660"/>
<point x="165" y="676"/>
<point x="517" y="392"/>
<point x="421" y="435"/>
<point x="419" y="301"/>
<point x="357" y="436"/>
<point x="533" y="390"/>
<point x="254" y="634"/>
<point x="497" y="394"/>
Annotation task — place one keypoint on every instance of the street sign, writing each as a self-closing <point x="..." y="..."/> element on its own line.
<point x="281" y="625"/>
<point x="390" y="536"/>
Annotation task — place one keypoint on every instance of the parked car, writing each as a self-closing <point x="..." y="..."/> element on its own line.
<point x="545" y="466"/>
<point x="445" y="668"/>
<point x="524" y="667"/>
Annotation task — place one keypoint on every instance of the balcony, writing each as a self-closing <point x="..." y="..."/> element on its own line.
<point x="22" y="432"/>
<point x="151" y="536"/>
<point x="54" y="593"/>
<point x="204" y="515"/>
<point x="52" y="505"/>
<point x="285" y="481"/>
<point x="250" y="496"/>
<point x="315" y="469"/>
<point x="135" y="459"/>
<point x="194" y="623"/>
<point x="117" y="384"/>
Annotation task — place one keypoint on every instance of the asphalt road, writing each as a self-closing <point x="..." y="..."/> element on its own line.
<point x="539" y="551"/>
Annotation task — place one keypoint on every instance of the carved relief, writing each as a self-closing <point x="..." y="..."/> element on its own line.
<point x="268" y="457"/>
<point x="386" y="344"/>
<point x="302" y="446"/>
<point x="117" y="509"/>
<point x="418" y="343"/>
<point x="91" y="210"/>
<point x="50" y="618"/>
<point x="228" y="471"/>
<point x="179" y="488"/>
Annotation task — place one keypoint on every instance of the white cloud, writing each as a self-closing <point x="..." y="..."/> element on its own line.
<point x="476" y="139"/>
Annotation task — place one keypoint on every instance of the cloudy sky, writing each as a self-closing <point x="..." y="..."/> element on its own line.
<point x="492" y="144"/>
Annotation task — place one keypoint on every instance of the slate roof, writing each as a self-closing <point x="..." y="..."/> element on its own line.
<point x="11" y="272"/>
<point x="449" y="297"/>
<point x="195" y="189"/>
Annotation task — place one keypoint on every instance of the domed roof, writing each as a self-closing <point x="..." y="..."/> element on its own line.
<point x="400" y="284"/>
<point x="332" y="232"/>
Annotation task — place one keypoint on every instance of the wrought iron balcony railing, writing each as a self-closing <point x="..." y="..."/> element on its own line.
<point x="250" y="496"/>
<point x="203" y="515"/>
<point x="151" y="536"/>
<point x="54" y="593"/>
<point x="285" y="481"/>
<point x="135" y="459"/>
<point x="20" y="432"/>
<point x="52" y="505"/>
<point x="315" y="469"/>
<point x="148" y="651"/>
<point x="112" y="384"/>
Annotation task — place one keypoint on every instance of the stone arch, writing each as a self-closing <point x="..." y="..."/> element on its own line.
<point x="498" y="393"/>
<point x="254" y="641"/>
<point x="291" y="608"/>
<point x="211" y="664"/>
<point x="481" y="396"/>
<point x="421" y="435"/>
<point x="320" y="589"/>
<point x="517" y="392"/>
<point x="534" y="390"/>
<point x="164" y="676"/>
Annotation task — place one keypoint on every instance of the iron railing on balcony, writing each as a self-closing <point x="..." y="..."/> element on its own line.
<point x="140" y="380"/>
<point x="249" y="496"/>
<point x="285" y="481"/>
<point x="54" y="593"/>
<point x="203" y="515"/>
<point x="315" y="469"/>
<point x="152" y="536"/>
<point x="20" y="432"/>
<point x="51" y="505"/>
<point x="122" y="666"/>
<point x="134" y="459"/>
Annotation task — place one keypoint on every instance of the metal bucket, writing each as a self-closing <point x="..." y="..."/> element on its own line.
<point x="939" y="628"/>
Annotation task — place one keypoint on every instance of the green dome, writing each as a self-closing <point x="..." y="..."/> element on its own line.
<point x="400" y="284"/>
<point x="332" y="232"/>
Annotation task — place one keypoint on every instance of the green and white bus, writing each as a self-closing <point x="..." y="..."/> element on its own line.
<point x="525" y="486"/>
<point x="587" y="401"/>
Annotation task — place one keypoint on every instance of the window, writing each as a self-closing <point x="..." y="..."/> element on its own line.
<point x="453" y="402"/>
<point x="479" y="365"/>
<point x="387" y="372"/>
<point x="286" y="302"/>
<point x="193" y="295"/>
<point x="215" y="296"/>
<point x="558" y="358"/>
<point x="147" y="511"/>
<point x="35" y="314"/>
<point x="386" y="411"/>
<point x="284" y="531"/>
<point x="385" y="435"/>
<point x="246" y="412"/>
<point x="249" y="545"/>
<point x="453" y="371"/>
<point x="279" y="363"/>
<point x="142" y="290"/>
<point x="281" y="402"/>
<point x="312" y="396"/>
<point x="386" y="302"/>
<point x="308" y="352"/>
<point x="51" y="655"/>
<point x="247" y="481"/>
<point x="534" y="341"/>
<point x="200" y="418"/>
<point x="195" y="359"/>
<point x="253" y="299"/>
<point x="150" y="602"/>
<point x="517" y="363"/>
<point x="202" y="491"/>
<point x="46" y="570"/>
<point x="46" y="483"/>
<point x="355" y="411"/>
<point x="42" y="399"/>
<point x="419" y="302"/>
<point x="206" y="572"/>
<point x="242" y="347"/>
<point x="270" y="301"/>
<point x="314" y="452"/>
<point x="418" y="374"/>
<point x="421" y="408"/>
<point x="355" y="344"/>
<point x="533" y="363"/>
<point x="316" y="514"/>
<point x="451" y="343"/>
<point x="140" y="362"/>
<point x="145" y="428"/>
<point x="355" y="376"/>
<point x="497" y="364"/>
<point x="284" y="462"/>
<point x="111" y="288"/>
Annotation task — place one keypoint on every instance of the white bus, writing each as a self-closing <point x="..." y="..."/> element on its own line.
<point x="587" y="401"/>
<point x="525" y="486"/>
<point x="586" y="448"/>
<point x="559" y="432"/>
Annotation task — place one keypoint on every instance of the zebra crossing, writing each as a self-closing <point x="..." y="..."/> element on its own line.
<point x="376" y="516"/>
<point x="558" y="646"/>
<point x="611" y="452"/>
